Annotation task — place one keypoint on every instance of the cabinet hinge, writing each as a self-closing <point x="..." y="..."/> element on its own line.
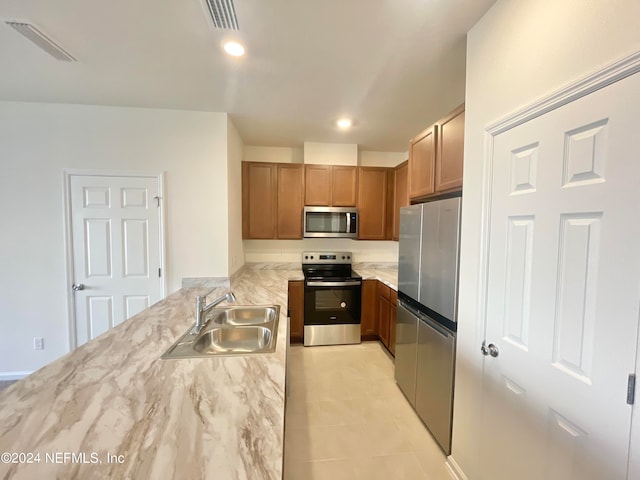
<point x="631" y="389"/>
<point x="159" y="272"/>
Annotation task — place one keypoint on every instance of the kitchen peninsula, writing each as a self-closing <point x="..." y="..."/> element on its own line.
<point x="118" y="411"/>
<point x="205" y="418"/>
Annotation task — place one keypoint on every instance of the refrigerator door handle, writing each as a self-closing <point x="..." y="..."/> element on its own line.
<point x="411" y="309"/>
<point x="436" y="326"/>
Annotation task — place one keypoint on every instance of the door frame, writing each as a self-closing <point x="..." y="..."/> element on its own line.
<point x="597" y="80"/>
<point x="68" y="236"/>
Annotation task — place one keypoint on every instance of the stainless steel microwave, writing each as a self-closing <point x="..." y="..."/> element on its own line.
<point x="331" y="222"/>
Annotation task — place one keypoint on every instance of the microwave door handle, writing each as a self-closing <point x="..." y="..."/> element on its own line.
<point x="348" y="222"/>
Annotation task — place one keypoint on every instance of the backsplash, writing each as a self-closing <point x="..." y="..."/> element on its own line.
<point x="290" y="251"/>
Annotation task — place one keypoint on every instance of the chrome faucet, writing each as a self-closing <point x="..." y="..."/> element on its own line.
<point x="202" y="308"/>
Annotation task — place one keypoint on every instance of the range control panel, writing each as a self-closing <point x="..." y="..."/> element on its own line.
<point x="326" y="257"/>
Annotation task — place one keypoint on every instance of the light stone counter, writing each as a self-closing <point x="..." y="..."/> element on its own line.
<point x="204" y="418"/>
<point x="387" y="273"/>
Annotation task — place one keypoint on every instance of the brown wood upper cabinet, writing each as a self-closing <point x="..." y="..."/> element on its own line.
<point x="436" y="157"/>
<point x="344" y="183"/>
<point x="450" y="151"/>
<point x="290" y="200"/>
<point x="330" y="185"/>
<point x="401" y="196"/>
<point x="372" y="203"/>
<point x="272" y="200"/>
<point x="259" y="200"/>
<point x="422" y="158"/>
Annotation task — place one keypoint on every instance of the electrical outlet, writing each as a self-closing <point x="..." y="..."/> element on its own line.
<point x="38" y="343"/>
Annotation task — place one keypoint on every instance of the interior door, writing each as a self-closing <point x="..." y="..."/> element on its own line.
<point x="116" y="236"/>
<point x="562" y="299"/>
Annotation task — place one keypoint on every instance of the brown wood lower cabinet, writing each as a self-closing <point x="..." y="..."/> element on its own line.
<point x="392" y="322"/>
<point x="378" y="320"/>
<point x="369" y="313"/>
<point x="296" y="311"/>
<point x="384" y="312"/>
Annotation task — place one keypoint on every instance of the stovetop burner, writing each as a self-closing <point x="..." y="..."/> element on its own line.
<point x="328" y="266"/>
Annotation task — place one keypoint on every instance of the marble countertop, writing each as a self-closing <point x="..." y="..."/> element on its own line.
<point x="113" y="409"/>
<point x="385" y="272"/>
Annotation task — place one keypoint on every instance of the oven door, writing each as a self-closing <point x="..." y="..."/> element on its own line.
<point x="332" y="302"/>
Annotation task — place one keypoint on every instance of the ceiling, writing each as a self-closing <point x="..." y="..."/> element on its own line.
<point x="393" y="65"/>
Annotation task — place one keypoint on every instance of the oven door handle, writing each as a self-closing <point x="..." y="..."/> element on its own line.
<point x="354" y="283"/>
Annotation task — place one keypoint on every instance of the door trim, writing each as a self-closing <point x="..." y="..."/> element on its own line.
<point x="68" y="236"/>
<point x="575" y="90"/>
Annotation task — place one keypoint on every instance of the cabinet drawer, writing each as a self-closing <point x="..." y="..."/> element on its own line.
<point x="384" y="291"/>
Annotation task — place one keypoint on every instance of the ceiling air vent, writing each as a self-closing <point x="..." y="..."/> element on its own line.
<point x="223" y="14"/>
<point x="41" y="40"/>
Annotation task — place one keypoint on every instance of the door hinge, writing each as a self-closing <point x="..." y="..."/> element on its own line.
<point x="631" y="389"/>
<point x="159" y="272"/>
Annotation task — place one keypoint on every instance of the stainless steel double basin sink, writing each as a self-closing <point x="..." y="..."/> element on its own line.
<point x="234" y="330"/>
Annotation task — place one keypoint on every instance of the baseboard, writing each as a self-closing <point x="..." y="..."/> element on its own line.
<point x="4" y="376"/>
<point x="454" y="469"/>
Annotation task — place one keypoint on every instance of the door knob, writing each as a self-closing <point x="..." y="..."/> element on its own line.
<point x="77" y="287"/>
<point x="490" y="349"/>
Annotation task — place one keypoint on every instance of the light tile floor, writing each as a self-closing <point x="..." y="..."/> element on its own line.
<point x="347" y="419"/>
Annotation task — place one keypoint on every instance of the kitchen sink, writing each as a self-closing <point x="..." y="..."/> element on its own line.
<point x="235" y="330"/>
<point x="241" y="315"/>
<point x="236" y="340"/>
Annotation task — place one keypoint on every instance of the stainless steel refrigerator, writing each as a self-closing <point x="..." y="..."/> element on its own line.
<point x="427" y="311"/>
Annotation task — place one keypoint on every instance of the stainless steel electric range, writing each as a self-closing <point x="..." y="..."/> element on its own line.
<point x="332" y="299"/>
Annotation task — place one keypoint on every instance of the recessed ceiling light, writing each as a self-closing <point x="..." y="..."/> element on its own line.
<point x="234" y="49"/>
<point x="344" y="123"/>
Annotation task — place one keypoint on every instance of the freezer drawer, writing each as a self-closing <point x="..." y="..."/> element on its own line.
<point x="434" y="379"/>
<point x="406" y="352"/>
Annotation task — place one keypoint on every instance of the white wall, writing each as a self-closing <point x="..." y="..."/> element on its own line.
<point x="235" y="149"/>
<point x="521" y="50"/>
<point x="258" y="251"/>
<point x="330" y="153"/>
<point x="273" y="154"/>
<point x="39" y="141"/>
<point x="369" y="158"/>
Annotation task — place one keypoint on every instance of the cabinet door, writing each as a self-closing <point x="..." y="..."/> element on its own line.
<point x="258" y="200"/>
<point x="393" y="320"/>
<point x="296" y="310"/>
<point x="317" y="180"/>
<point x="401" y="197"/>
<point x="290" y="200"/>
<point x="372" y="203"/>
<point x="344" y="181"/>
<point x="369" y="314"/>
<point x="384" y="312"/>
<point x="422" y="155"/>
<point x="450" y="151"/>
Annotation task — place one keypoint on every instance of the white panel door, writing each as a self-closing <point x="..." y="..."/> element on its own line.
<point x="116" y="250"/>
<point x="562" y="298"/>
